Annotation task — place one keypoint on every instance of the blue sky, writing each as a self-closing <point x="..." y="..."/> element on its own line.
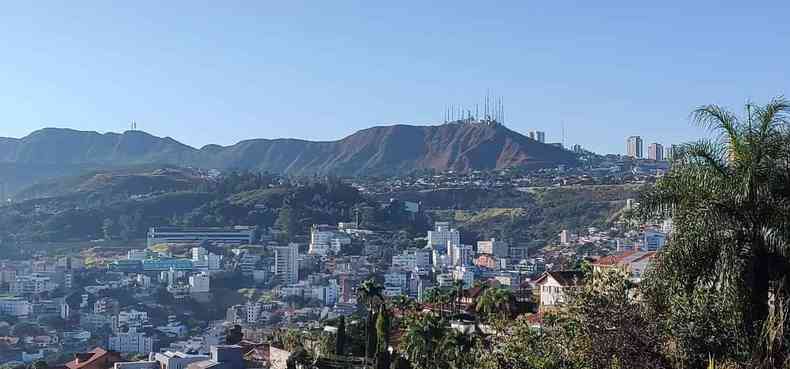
<point x="219" y="72"/>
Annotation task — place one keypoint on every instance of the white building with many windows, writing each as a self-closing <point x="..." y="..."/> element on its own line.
<point x="15" y="306"/>
<point x="286" y="265"/>
<point x="131" y="341"/>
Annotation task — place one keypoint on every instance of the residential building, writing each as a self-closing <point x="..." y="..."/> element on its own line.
<point x="411" y="259"/>
<point x="539" y="136"/>
<point x="31" y="284"/>
<point x="222" y="357"/>
<point x="97" y="358"/>
<point x="461" y="254"/>
<point x="635" y="263"/>
<point x="554" y="286"/>
<point x="634" y="147"/>
<point x="131" y="341"/>
<point x="443" y="236"/>
<point x="655" y="151"/>
<point x="465" y="274"/>
<point x="199" y="283"/>
<point x="565" y="237"/>
<point x="237" y="235"/>
<point x="494" y="247"/>
<point x="326" y="239"/>
<point x="15" y="306"/>
<point x="396" y="283"/>
<point x="129" y="319"/>
<point x="177" y="359"/>
<point x="286" y="265"/>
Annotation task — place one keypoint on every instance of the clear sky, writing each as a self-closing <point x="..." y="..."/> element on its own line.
<point x="222" y="71"/>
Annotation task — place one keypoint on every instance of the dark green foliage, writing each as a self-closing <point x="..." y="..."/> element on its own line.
<point x="340" y="340"/>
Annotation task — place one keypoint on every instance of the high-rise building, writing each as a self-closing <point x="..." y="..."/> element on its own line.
<point x="655" y="151"/>
<point x="539" y="136"/>
<point x="443" y="237"/>
<point x="565" y="237"/>
<point x="286" y="266"/>
<point x="634" y="147"/>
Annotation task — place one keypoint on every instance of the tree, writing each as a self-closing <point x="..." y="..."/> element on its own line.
<point x="458" y="292"/>
<point x="729" y="199"/>
<point x="369" y="293"/>
<point x="340" y="341"/>
<point x="287" y="221"/>
<point x="382" y="337"/>
<point x="495" y="300"/>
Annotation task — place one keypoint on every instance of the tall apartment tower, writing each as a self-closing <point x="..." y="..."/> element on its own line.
<point x="655" y="151"/>
<point x="634" y="147"/>
<point x="286" y="265"/>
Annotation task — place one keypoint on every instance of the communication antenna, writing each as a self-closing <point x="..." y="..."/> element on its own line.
<point x="563" y="133"/>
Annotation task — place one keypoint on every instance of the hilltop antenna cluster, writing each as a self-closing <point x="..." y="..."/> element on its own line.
<point x="493" y="112"/>
<point x="134" y="125"/>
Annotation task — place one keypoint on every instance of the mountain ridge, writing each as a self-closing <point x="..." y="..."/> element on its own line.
<point x="379" y="150"/>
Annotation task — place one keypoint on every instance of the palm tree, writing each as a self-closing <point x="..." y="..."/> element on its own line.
<point x="458" y="287"/>
<point x="420" y="340"/>
<point x="729" y="198"/>
<point x="369" y="293"/>
<point x="495" y="300"/>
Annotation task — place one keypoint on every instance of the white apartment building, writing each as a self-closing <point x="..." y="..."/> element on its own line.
<point x="15" y="306"/>
<point x="286" y="265"/>
<point x="31" y="284"/>
<point x="325" y="238"/>
<point x="443" y="236"/>
<point x="131" y="342"/>
<point x="412" y="259"/>
<point x="129" y="318"/>
<point x="204" y="260"/>
<point x="199" y="283"/>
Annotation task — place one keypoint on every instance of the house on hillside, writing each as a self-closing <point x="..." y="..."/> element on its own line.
<point x="554" y="286"/>
<point x="635" y="263"/>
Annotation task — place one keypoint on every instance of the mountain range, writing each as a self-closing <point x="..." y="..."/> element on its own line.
<point x="382" y="150"/>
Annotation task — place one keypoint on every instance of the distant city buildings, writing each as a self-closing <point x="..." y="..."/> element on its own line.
<point x="493" y="247"/>
<point x="539" y="136"/>
<point x="236" y="235"/>
<point x="655" y="151"/>
<point x="634" y="147"/>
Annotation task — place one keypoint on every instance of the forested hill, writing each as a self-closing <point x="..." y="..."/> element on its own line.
<point x="383" y="150"/>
